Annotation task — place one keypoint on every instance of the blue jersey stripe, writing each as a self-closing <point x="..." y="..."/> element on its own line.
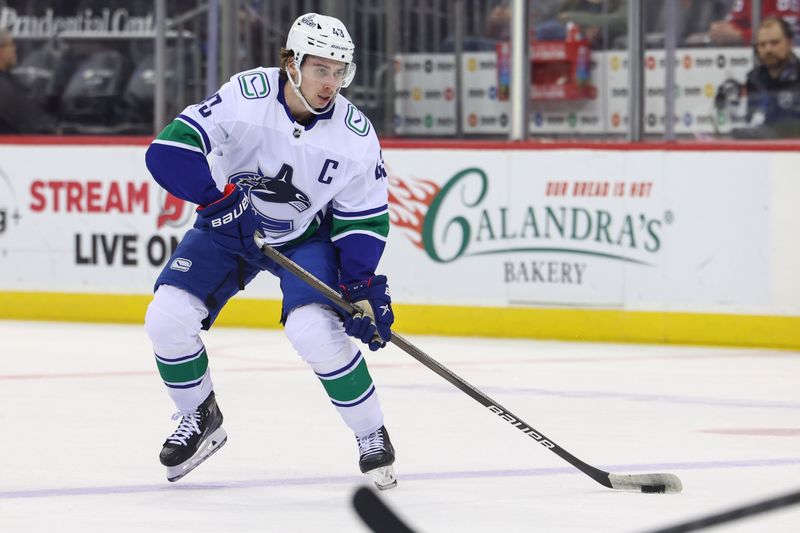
<point x="343" y="369"/>
<point x="179" y="359"/>
<point x="346" y="404"/>
<point x="184" y="385"/>
<point x="349" y="214"/>
<point x="198" y="127"/>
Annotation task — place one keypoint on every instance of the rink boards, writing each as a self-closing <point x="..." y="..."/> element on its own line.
<point x="663" y="243"/>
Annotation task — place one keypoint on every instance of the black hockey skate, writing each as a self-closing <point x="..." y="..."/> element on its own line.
<point x="199" y="435"/>
<point x="376" y="457"/>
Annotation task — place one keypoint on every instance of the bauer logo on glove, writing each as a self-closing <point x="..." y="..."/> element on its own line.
<point x="230" y="216"/>
<point x="232" y="223"/>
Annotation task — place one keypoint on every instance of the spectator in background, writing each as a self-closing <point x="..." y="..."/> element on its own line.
<point x="19" y="113"/>
<point x="736" y="28"/>
<point x="591" y="20"/>
<point x="498" y="20"/>
<point x="773" y="87"/>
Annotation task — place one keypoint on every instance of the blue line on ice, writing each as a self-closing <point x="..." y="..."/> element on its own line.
<point x="350" y="480"/>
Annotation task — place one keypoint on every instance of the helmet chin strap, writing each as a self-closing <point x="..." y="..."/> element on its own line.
<point x="296" y="89"/>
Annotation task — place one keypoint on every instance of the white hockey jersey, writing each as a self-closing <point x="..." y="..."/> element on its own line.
<point x="293" y="173"/>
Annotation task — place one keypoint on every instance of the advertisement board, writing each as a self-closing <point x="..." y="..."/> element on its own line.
<point x="636" y="230"/>
<point x="86" y="219"/>
<point x="653" y="237"/>
<point x="699" y="75"/>
<point x="425" y="94"/>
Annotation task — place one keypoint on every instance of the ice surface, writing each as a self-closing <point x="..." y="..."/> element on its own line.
<point x="83" y="415"/>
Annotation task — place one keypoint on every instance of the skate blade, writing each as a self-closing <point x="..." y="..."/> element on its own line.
<point x="383" y="477"/>
<point x="207" y="448"/>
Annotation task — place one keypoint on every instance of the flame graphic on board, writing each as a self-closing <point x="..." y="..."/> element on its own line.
<point x="409" y="200"/>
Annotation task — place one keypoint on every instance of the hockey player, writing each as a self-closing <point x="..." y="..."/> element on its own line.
<point x="295" y="161"/>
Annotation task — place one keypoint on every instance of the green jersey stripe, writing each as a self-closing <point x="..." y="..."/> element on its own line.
<point x="178" y="145"/>
<point x="179" y="132"/>
<point x="184" y="372"/>
<point x="310" y="230"/>
<point x="360" y="232"/>
<point x="350" y="386"/>
<point x="378" y="225"/>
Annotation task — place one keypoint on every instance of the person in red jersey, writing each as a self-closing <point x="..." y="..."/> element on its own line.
<point x="737" y="29"/>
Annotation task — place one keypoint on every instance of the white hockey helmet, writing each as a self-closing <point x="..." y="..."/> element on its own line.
<point x="322" y="36"/>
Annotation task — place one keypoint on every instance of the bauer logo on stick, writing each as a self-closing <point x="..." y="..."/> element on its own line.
<point x="522" y="426"/>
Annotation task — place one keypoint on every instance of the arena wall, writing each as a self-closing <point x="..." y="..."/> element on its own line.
<point x="675" y="243"/>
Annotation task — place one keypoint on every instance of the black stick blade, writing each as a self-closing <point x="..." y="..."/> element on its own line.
<point x="375" y="514"/>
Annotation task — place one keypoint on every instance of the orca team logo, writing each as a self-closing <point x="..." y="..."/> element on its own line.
<point x="277" y="196"/>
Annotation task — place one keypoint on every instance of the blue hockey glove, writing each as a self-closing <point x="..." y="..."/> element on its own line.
<point x="233" y="223"/>
<point x="373" y="326"/>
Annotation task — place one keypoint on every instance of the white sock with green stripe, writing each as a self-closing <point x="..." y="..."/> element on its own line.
<point x="316" y="333"/>
<point x="352" y="392"/>
<point x="187" y="378"/>
<point x="173" y="323"/>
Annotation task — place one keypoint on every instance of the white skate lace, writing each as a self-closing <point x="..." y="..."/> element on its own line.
<point x="372" y="443"/>
<point x="188" y="426"/>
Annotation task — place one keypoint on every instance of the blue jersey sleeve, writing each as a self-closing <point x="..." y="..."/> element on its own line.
<point x="177" y="156"/>
<point x="361" y="219"/>
<point x="182" y="172"/>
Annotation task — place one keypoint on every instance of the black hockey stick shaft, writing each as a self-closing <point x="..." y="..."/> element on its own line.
<point x="734" y="514"/>
<point x="376" y="514"/>
<point x="645" y="482"/>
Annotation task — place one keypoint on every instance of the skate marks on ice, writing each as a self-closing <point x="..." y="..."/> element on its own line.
<point x="88" y="415"/>
<point x="346" y="480"/>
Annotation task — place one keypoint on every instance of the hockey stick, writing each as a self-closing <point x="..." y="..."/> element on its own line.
<point x="734" y="514"/>
<point x="376" y="514"/>
<point x="634" y="482"/>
